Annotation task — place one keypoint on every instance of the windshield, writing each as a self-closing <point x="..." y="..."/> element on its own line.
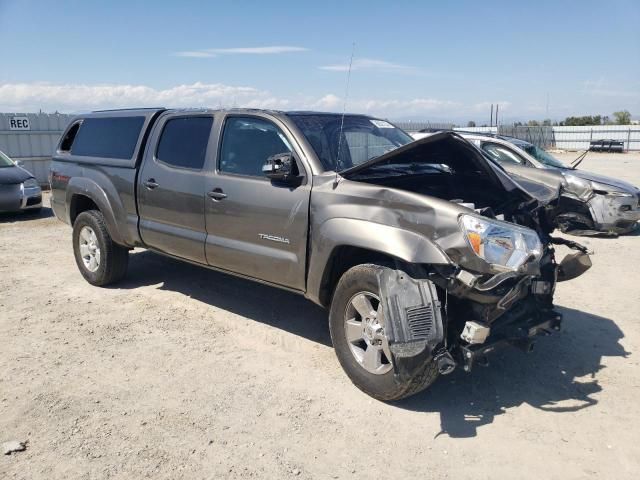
<point x="362" y="139"/>
<point x="5" y="161"/>
<point x="544" y="157"/>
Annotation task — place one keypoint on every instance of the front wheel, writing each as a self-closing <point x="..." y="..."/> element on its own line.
<point x="99" y="259"/>
<point x="357" y="326"/>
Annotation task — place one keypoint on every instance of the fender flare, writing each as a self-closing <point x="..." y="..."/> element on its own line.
<point x="405" y="245"/>
<point x="88" y="188"/>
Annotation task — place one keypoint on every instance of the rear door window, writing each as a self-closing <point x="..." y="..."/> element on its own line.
<point x="183" y="142"/>
<point x="111" y="137"/>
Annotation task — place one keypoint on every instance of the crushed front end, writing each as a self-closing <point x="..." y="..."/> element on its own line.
<point x="498" y="292"/>
<point x="610" y="206"/>
<point x="497" y="285"/>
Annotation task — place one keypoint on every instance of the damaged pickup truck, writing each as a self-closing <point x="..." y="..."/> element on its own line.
<point x="427" y="255"/>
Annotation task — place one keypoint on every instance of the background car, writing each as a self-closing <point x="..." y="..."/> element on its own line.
<point x="19" y="190"/>
<point x="602" y="204"/>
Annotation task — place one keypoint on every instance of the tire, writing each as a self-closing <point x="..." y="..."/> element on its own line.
<point x="382" y="386"/>
<point x="112" y="258"/>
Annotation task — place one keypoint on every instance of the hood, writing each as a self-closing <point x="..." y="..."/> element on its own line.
<point x="12" y="175"/>
<point x="594" y="177"/>
<point x="541" y="187"/>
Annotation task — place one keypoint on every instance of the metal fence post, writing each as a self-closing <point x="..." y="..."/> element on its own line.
<point x="628" y="139"/>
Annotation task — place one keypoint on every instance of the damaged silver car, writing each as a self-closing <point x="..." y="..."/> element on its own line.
<point x="594" y="204"/>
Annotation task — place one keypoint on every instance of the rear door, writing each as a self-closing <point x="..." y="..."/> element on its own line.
<point x="171" y="185"/>
<point x="257" y="227"/>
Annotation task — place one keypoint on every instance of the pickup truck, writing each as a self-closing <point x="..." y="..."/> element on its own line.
<point x="427" y="254"/>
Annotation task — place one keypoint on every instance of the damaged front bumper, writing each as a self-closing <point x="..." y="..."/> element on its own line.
<point x="615" y="213"/>
<point x="517" y="327"/>
<point x="458" y="317"/>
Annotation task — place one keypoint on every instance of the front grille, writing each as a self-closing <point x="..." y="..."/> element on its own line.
<point x="420" y="321"/>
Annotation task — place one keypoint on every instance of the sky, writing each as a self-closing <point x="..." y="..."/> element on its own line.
<point x="418" y="60"/>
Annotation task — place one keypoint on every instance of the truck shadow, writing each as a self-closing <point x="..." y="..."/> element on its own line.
<point x="559" y="376"/>
<point x="26" y="216"/>
<point x="272" y="306"/>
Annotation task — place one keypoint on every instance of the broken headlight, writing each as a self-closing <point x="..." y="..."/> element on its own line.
<point x="609" y="190"/>
<point x="500" y="243"/>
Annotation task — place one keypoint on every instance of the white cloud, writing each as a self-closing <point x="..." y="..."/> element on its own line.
<point x="24" y="97"/>
<point x="328" y="102"/>
<point x="265" y="50"/>
<point x="368" y="64"/>
<point x="195" y="54"/>
<point x="76" y="97"/>
<point x="385" y="107"/>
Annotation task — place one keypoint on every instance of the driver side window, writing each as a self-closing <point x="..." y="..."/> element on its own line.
<point x="502" y="154"/>
<point x="247" y="142"/>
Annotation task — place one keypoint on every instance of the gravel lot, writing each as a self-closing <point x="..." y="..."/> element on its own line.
<point x="180" y="372"/>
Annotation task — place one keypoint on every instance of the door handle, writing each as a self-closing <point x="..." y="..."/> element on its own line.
<point x="217" y="194"/>
<point x="151" y="184"/>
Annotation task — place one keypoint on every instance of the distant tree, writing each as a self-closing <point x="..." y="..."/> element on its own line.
<point x="622" y="117"/>
<point x="546" y="122"/>
<point x="584" y="120"/>
<point x="471" y="124"/>
<point x="517" y="124"/>
<point x="533" y="123"/>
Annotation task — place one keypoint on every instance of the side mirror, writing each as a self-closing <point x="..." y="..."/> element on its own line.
<point x="280" y="167"/>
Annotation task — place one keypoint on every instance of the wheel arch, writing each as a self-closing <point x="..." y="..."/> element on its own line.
<point x="342" y="243"/>
<point x="84" y="194"/>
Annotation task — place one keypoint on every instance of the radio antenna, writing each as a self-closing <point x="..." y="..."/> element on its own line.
<point x="344" y="110"/>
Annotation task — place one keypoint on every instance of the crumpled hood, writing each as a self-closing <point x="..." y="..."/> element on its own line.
<point x="13" y="175"/>
<point x="544" y="190"/>
<point x="622" y="185"/>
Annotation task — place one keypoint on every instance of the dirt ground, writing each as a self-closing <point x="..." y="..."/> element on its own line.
<point x="181" y="372"/>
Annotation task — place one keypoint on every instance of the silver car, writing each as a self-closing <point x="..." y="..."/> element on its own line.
<point x="19" y="190"/>
<point x="601" y="204"/>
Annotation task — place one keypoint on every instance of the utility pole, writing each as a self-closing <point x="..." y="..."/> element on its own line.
<point x="491" y="121"/>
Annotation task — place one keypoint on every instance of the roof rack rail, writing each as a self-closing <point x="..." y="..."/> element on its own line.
<point x="127" y="109"/>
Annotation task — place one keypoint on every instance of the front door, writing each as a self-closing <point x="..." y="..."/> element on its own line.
<point x="256" y="227"/>
<point x="171" y="186"/>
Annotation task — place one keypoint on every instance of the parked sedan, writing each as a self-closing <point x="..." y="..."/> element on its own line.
<point x="597" y="204"/>
<point x="19" y="190"/>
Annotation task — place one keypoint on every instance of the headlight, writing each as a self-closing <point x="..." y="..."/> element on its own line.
<point x="610" y="190"/>
<point x="501" y="243"/>
<point x="31" y="183"/>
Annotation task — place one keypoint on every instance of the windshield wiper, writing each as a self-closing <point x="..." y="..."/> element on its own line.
<point x="413" y="169"/>
<point x="579" y="160"/>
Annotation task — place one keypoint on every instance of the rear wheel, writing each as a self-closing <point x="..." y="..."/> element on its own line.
<point x="358" y="334"/>
<point x="99" y="259"/>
